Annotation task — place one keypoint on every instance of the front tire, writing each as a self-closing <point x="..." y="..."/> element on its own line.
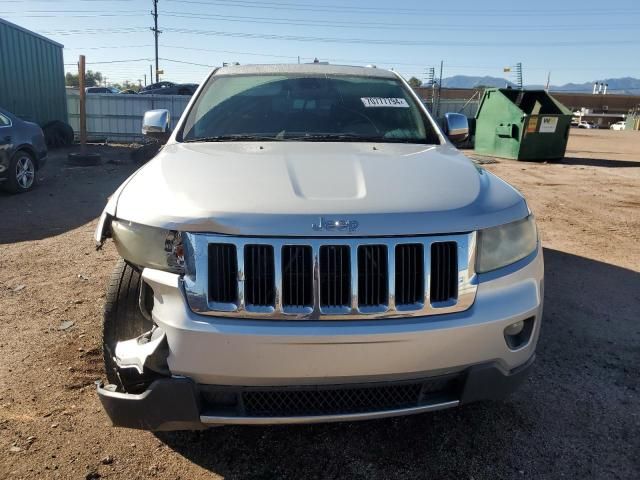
<point x="22" y="173"/>
<point x="123" y="319"/>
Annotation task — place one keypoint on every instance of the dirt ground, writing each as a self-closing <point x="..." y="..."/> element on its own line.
<point x="577" y="416"/>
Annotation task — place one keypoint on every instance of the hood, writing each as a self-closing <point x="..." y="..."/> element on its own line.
<point x="303" y="188"/>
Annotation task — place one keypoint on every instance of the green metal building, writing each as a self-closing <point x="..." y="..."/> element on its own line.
<point x="31" y="75"/>
<point x="521" y="125"/>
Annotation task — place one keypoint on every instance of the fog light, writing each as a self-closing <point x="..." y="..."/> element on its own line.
<point x="514" y="328"/>
<point x="518" y="333"/>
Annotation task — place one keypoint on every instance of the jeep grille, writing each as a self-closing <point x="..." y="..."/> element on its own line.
<point x="311" y="279"/>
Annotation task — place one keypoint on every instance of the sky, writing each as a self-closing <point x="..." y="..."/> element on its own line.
<point x="573" y="40"/>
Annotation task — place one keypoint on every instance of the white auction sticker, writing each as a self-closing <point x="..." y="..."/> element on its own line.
<point x="384" y="102"/>
<point x="548" y="124"/>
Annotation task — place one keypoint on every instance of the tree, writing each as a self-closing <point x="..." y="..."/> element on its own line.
<point x="91" y="79"/>
<point x="127" y="85"/>
<point x="415" y="82"/>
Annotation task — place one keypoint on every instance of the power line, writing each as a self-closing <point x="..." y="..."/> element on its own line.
<point x="188" y="63"/>
<point x="406" y="11"/>
<point x="363" y="61"/>
<point x="396" y="26"/>
<point x="115" y="61"/>
<point x="66" y="15"/>
<point x="106" y="47"/>
<point x="373" y="41"/>
<point x="95" y="31"/>
<point x="333" y="23"/>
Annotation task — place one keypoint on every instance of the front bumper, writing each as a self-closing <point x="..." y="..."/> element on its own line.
<point x="236" y="355"/>
<point x="181" y="404"/>
<point x="236" y="351"/>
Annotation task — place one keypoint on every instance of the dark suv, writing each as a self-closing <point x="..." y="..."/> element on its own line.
<point x="169" y="88"/>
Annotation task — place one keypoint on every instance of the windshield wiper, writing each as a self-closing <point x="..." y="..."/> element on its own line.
<point x="232" y="138"/>
<point x="308" y="137"/>
<point x="352" y="137"/>
<point x="332" y="136"/>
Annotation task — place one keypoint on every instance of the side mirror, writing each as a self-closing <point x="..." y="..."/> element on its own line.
<point x="456" y="127"/>
<point x="156" y="124"/>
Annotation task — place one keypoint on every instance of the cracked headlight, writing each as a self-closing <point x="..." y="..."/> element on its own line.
<point x="506" y="244"/>
<point x="149" y="246"/>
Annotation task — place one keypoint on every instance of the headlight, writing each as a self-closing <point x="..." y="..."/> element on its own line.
<point x="149" y="246"/>
<point x="506" y="244"/>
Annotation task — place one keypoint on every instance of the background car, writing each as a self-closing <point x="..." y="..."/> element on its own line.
<point x="169" y="88"/>
<point x="101" y="90"/>
<point x="618" y="125"/>
<point x="585" y="124"/>
<point x="23" y="152"/>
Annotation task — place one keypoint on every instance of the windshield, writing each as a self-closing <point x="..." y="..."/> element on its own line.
<point x="307" y="108"/>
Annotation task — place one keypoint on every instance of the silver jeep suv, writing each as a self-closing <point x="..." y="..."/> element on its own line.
<point x="309" y="246"/>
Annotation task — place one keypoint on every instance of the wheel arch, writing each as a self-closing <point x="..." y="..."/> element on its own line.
<point x="25" y="147"/>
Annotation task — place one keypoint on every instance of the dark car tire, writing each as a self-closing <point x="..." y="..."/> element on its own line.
<point x="123" y="319"/>
<point x="58" y="134"/>
<point x="15" y="183"/>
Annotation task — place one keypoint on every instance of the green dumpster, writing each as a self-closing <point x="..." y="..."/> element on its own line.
<point x="522" y="125"/>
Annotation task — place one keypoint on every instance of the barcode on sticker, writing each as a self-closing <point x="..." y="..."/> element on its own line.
<point x="384" y="102"/>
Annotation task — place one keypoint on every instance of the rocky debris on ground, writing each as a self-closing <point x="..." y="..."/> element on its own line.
<point x="67" y="324"/>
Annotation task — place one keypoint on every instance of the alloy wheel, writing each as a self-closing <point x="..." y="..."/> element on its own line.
<point x="25" y="172"/>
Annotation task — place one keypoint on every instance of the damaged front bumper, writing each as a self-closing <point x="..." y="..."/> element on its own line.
<point x="220" y="371"/>
<point x="178" y="403"/>
<point x="167" y="404"/>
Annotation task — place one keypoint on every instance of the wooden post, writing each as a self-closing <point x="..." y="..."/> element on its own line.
<point x="83" y="103"/>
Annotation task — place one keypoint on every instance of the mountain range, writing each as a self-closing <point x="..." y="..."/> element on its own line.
<point x="624" y="85"/>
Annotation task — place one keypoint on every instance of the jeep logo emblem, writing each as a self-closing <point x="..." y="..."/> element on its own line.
<point x="335" y="225"/>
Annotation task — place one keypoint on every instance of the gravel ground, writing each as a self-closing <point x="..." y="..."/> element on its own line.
<point x="578" y="416"/>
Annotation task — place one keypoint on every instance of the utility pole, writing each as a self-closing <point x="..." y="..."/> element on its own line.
<point x="83" y="103"/>
<point x="145" y="79"/>
<point x="431" y="83"/>
<point x="156" y="32"/>
<point x="439" y="88"/>
<point x="548" y="80"/>
<point x="150" y="73"/>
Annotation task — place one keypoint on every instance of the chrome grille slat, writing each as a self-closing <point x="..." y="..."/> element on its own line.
<point x="409" y="275"/>
<point x="259" y="276"/>
<point x="297" y="273"/>
<point x="335" y="277"/>
<point x="222" y="273"/>
<point x="443" y="262"/>
<point x="280" y="283"/>
<point x="372" y="276"/>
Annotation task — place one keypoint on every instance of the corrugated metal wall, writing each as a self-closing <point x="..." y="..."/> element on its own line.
<point x="119" y="117"/>
<point x="31" y="75"/>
